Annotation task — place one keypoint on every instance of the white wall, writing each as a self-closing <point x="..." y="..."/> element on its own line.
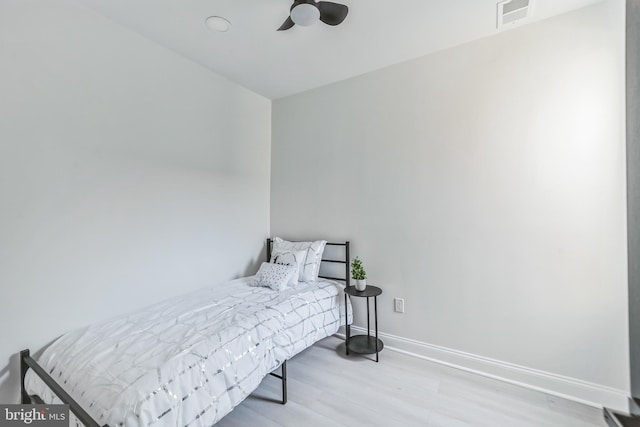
<point x="127" y="174"/>
<point x="485" y="184"/>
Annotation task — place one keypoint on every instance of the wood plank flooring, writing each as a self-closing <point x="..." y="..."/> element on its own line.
<point x="327" y="388"/>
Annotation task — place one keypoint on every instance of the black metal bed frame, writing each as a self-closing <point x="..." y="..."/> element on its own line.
<point x="332" y="261"/>
<point x="27" y="362"/>
<point x="345" y="279"/>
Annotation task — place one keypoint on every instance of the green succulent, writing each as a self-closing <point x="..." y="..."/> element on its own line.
<point x="357" y="270"/>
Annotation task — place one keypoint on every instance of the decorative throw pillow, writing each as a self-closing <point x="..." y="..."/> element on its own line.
<point x="294" y="258"/>
<point x="311" y="266"/>
<point x="274" y="276"/>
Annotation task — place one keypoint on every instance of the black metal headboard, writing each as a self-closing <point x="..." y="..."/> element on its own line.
<point x="344" y="261"/>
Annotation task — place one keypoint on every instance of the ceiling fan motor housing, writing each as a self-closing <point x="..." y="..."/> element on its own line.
<point x="305" y="12"/>
<point x="308" y="12"/>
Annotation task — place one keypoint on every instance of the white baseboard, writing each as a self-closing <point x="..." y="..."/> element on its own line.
<point x="557" y="385"/>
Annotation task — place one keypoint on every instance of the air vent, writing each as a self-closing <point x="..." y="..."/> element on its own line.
<point x="513" y="12"/>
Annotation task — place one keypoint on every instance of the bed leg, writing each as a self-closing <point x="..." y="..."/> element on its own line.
<point x="283" y="379"/>
<point x="24" y="396"/>
<point x="284" y="382"/>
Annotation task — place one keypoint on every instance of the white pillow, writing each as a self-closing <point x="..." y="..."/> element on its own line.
<point x="311" y="267"/>
<point x="274" y="276"/>
<point x="294" y="258"/>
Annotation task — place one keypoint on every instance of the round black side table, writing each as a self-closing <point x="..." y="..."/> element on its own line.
<point x="363" y="344"/>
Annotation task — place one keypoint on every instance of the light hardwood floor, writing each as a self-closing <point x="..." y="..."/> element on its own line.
<point x="327" y="388"/>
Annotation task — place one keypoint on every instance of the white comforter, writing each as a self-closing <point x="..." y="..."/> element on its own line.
<point x="190" y="360"/>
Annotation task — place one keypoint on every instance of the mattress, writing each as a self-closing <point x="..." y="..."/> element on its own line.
<point x="188" y="361"/>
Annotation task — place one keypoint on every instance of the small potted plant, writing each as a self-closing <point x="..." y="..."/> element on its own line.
<point x="358" y="274"/>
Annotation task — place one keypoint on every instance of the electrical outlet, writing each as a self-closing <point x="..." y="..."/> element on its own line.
<point x="399" y="305"/>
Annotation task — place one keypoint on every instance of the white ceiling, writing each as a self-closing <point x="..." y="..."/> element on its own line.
<point x="375" y="34"/>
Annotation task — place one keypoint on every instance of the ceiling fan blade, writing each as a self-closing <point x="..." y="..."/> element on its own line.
<point x="287" y="24"/>
<point x="332" y="13"/>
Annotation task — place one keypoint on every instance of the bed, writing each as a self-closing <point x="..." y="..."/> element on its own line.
<point x="190" y="360"/>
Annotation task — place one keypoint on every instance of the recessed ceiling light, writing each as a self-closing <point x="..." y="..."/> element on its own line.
<point x="218" y="24"/>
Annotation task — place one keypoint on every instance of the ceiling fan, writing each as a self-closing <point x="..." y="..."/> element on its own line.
<point x="307" y="12"/>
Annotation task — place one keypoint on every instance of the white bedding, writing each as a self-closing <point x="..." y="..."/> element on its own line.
<point x="190" y="360"/>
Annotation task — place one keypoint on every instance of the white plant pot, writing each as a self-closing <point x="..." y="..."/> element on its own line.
<point x="361" y="284"/>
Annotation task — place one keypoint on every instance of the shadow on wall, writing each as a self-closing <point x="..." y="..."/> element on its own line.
<point x="10" y="376"/>
<point x="254" y="264"/>
<point x="9" y="380"/>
